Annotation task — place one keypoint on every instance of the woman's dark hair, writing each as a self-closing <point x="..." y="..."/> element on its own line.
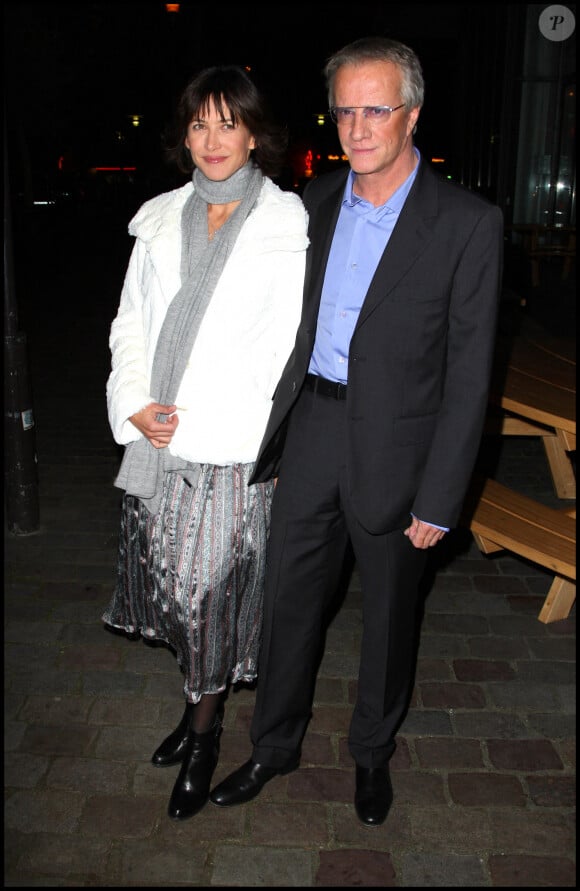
<point x="234" y="95"/>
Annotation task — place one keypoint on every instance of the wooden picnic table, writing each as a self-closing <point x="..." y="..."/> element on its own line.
<point x="533" y="393"/>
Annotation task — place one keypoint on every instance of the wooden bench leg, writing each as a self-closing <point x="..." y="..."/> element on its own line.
<point x="560" y="468"/>
<point x="559" y="601"/>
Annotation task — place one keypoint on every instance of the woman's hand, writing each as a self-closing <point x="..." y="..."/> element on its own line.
<point x="159" y="433"/>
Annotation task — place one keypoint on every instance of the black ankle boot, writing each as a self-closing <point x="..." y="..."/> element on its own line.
<point x="191" y="790"/>
<point x="172" y="749"/>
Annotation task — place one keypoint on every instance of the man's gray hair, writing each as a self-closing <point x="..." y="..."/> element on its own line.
<point x="380" y="49"/>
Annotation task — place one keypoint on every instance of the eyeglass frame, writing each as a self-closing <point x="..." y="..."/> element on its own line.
<point x="389" y="108"/>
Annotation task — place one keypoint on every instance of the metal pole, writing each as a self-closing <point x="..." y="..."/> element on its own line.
<point x="20" y="461"/>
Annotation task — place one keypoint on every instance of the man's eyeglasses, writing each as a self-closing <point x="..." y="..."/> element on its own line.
<point x="378" y="114"/>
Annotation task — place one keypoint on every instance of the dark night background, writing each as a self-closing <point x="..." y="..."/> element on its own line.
<point x="74" y="72"/>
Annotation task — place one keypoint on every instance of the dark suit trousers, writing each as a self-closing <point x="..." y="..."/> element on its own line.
<point x="312" y="521"/>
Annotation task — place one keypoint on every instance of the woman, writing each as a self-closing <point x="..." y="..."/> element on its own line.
<point x="207" y="319"/>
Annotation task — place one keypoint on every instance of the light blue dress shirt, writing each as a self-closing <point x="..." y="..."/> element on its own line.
<point x="360" y="238"/>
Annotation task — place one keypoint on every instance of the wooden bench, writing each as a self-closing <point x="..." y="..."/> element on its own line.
<point x="533" y="393"/>
<point x="502" y="519"/>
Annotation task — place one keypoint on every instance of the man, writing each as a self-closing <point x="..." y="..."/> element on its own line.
<point x="377" y="418"/>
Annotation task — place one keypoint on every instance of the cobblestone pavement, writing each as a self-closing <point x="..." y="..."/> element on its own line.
<point x="484" y="773"/>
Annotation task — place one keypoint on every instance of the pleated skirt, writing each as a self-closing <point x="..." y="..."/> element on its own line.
<point x="192" y="575"/>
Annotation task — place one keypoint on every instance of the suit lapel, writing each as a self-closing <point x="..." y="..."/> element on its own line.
<point x="322" y="225"/>
<point x="412" y="233"/>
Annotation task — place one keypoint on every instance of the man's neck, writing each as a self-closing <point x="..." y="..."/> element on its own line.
<point x="378" y="188"/>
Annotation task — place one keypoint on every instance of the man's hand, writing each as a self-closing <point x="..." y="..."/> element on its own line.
<point x="158" y="433"/>
<point x="422" y="535"/>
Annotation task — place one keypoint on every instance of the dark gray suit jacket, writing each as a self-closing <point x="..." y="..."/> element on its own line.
<point x="420" y="357"/>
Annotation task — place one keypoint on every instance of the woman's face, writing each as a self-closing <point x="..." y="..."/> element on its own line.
<point x="218" y="147"/>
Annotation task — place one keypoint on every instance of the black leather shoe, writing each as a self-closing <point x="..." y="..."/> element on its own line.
<point x="246" y="782"/>
<point x="191" y="790"/>
<point x="374" y="794"/>
<point x="172" y="748"/>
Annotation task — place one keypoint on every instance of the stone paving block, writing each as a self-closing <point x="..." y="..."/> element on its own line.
<point x="282" y="823"/>
<point x="50" y="682"/>
<point x="451" y="623"/>
<point x="442" y="646"/>
<point x="120" y="816"/>
<point x="42" y="810"/>
<point x="537" y="832"/>
<point x="32" y="632"/>
<point x="498" y="648"/>
<point x="23" y="771"/>
<point x="321" y="784"/>
<point x="123" y="744"/>
<point x="113" y="683"/>
<point x="30" y="656"/>
<point x="547" y="672"/>
<point x="317" y="749"/>
<point x="54" y="855"/>
<point x="450" y="695"/>
<point x="331" y="691"/>
<point x="482" y="670"/>
<point x="449" y="753"/>
<point x="251" y="866"/>
<point x="548" y="791"/>
<point x="567" y="695"/>
<point x="330" y="719"/>
<point x="525" y="871"/>
<point x="418" y="787"/>
<point x="56" y="709"/>
<point x="553" y="726"/>
<point x="151" y="657"/>
<point x="154" y="862"/>
<point x="91" y="657"/>
<point x="561" y="649"/>
<point x="485" y="790"/>
<point x="433" y="670"/>
<point x="499" y="725"/>
<point x="161" y="685"/>
<point x="354" y="868"/>
<point x="427" y="722"/>
<point x="488" y="584"/>
<point x="14" y="703"/>
<point x="449" y="830"/>
<point x="129" y="712"/>
<point x="13" y="734"/>
<point x="567" y="750"/>
<point x="514" y="625"/>
<point x="525" y="697"/>
<point x="419" y="870"/>
<point x="340" y="665"/>
<point x="523" y="754"/>
<point x="89" y="774"/>
<point x="58" y="739"/>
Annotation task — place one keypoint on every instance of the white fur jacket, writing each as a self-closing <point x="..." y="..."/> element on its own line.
<point x="245" y="338"/>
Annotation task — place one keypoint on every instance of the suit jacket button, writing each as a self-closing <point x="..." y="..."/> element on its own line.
<point x="293" y="386"/>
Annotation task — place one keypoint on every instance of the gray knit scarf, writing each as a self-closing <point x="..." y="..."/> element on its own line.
<point x="202" y="262"/>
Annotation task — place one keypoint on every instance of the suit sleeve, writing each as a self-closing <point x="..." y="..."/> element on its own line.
<point x="472" y="325"/>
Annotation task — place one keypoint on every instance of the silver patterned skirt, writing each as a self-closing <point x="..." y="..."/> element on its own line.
<point x="192" y="575"/>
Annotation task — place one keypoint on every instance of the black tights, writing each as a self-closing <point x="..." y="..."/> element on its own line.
<point x="204" y="712"/>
